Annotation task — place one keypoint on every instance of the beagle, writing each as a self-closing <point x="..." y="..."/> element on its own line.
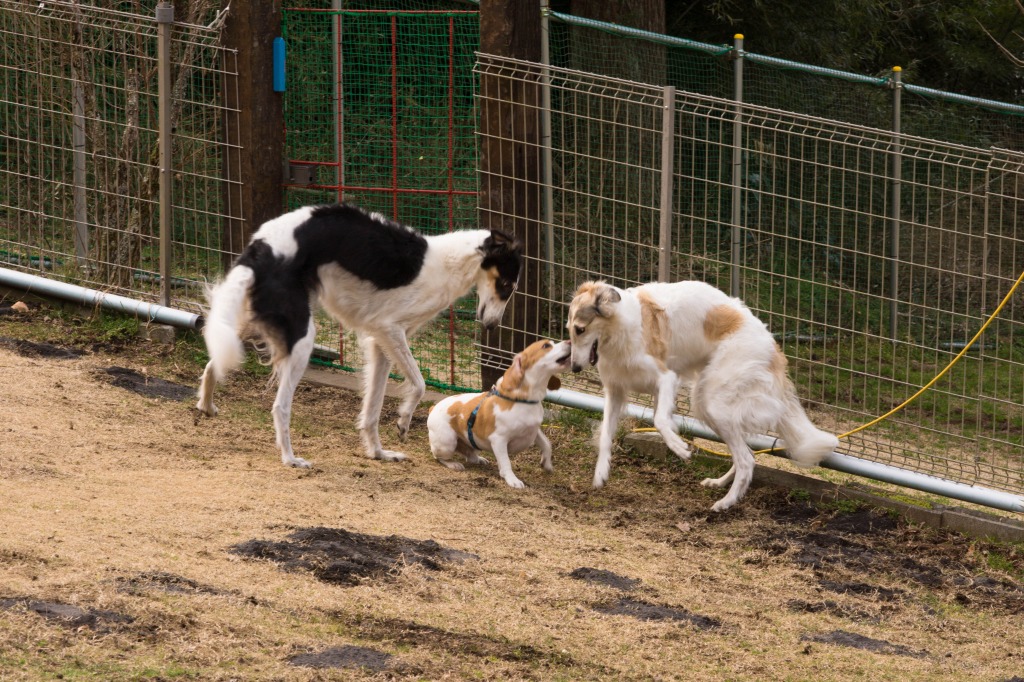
<point x="504" y="420"/>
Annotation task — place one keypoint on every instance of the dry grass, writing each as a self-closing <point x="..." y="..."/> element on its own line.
<point x="128" y="508"/>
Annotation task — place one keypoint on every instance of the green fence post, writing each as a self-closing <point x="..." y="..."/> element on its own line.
<point x="894" y="210"/>
<point x="737" y="166"/>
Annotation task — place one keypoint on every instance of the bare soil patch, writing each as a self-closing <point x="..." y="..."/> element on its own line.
<point x="142" y="543"/>
<point x="336" y="555"/>
<point x="150" y="387"/>
<point x="345" y="657"/>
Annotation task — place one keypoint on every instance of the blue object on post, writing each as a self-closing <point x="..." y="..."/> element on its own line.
<point x="279" y="64"/>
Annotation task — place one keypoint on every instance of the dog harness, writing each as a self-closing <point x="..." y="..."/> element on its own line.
<point x="472" y="415"/>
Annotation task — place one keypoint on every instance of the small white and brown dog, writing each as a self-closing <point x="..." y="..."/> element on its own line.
<point x="505" y="420"/>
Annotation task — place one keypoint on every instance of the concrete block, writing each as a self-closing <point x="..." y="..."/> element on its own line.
<point x="981" y="525"/>
<point x="159" y="333"/>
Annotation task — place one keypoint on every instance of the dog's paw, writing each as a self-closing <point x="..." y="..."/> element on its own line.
<point x="477" y="459"/>
<point x="545" y="463"/>
<point x="390" y="456"/>
<point x="680" y="448"/>
<point x="208" y="410"/>
<point x="712" y="483"/>
<point x="722" y="505"/>
<point x="403" y="429"/>
<point x="514" y="482"/>
<point x="454" y="466"/>
<point x="296" y="462"/>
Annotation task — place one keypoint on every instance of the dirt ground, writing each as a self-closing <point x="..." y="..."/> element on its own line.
<point x="140" y="542"/>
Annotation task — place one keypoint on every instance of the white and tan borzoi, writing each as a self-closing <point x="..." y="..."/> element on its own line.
<point x="505" y="420"/>
<point x="658" y="337"/>
<point x="375" y="276"/>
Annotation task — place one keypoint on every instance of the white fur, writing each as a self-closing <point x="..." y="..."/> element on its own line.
<point x="516" y="425"/>
<point x="383" y="319"/>
<point x="733" y="386"/>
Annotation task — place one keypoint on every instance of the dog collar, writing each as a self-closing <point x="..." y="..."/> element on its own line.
<point x="472" y="415"/>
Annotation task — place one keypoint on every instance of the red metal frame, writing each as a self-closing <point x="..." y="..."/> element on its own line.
<point x="341" y="187"/>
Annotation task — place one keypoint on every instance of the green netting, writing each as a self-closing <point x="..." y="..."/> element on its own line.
<point x="380" y="100"/>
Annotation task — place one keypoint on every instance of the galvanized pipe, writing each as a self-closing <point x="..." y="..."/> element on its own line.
<point x="668" y="137"/>
<point x="149" y="312"/>
<point x="835" y="461"/>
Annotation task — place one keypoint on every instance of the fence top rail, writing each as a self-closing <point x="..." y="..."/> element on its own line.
<point x="964" y="99"/>
<point x="71" y="10"/>
<point x="718" y="50"/>
<point x="639" y="33"/>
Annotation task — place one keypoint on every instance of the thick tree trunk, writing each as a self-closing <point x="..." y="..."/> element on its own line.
<point x="254" y="162"/>
<point x="610" y="55"/>
<point x="510" y="166"/>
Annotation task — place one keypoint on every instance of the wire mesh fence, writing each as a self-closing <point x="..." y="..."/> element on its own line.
<point x="870" y="293"/>
<point x="385" y="116"/>
<point x="816" y="258"/>
<point x="80" y="173"/>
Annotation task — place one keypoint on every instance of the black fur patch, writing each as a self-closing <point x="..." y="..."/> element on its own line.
<point x="504" y="253"/>
<point x="382" y="252"/>
<point x="278" y="297"/>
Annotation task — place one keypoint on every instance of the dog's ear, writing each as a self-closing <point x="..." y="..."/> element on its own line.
<point x="554" y="383"/>
<point x="514" y="375"/>
<point x="605" y="300"/>
<point x="500" y="243"/>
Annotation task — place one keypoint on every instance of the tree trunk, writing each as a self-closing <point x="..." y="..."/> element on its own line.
<point x="254" y="160"/>
<point x="510" y="167"/>
<point x="628" y="58"/>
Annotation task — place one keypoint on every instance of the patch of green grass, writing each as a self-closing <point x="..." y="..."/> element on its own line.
<point x="799" y="495"/>
<point x="845" y="506"/>
<point x="998" y="561"/>
<point x="579" y="420"/>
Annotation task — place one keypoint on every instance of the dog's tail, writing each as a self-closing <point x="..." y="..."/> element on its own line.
<point x="805" y="444"/>
<point x="227" y="299"/>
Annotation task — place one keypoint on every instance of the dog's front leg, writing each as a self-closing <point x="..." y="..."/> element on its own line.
<point x="614" y="400"/>
<point x="375" y="379"/>
<point x="665" y="401"/>
<point x="499" y="446"/>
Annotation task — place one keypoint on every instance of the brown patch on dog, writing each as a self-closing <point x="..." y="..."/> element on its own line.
<point x="484" y="424"/>
<point x="654" y="328"/>
<point x="721" y="321"/>
<point x="512" y="380"/>
<point x="589" y="299"/>
<point x="779" y="364"/>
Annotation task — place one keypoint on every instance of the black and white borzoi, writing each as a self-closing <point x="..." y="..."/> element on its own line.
<point x="377" y="277"/>
<point x="657" y="337"/>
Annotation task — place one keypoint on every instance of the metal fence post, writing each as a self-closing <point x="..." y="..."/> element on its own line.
<point x="547" y="192"/>
<point x="339" y="96"/>
<point x="79" y="176"/>
<point x="737" y="167"/>
<point x="165" y="21"/>
<point x="894" y="210"/>
<point x="668" y="133"/>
